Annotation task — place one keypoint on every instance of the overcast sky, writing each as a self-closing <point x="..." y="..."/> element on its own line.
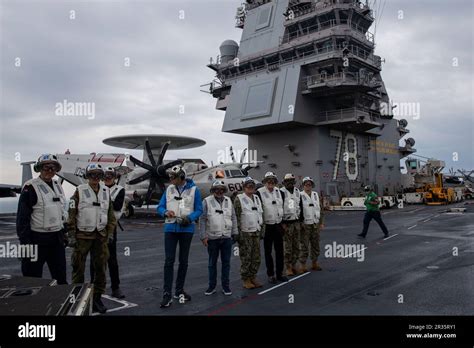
<point x="82" y="60"/>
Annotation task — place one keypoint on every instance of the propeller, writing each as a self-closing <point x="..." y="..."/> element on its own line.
<point x="156" y="170"/>
<point x="232" y="154"/>
<point x="242" y="156"/>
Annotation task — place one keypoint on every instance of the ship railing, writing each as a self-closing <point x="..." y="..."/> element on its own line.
<point x="357" y="5"/>
<point x="337" y="77"/>
<point x="353" y="77"/>
<point x="347" y="114"/>
<point x="355" y="50"/>
<point x="287" y="37"/>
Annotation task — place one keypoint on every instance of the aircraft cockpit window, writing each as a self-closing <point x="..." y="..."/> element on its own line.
<point x="235" y="173"/>
<point x="220" y="174"/>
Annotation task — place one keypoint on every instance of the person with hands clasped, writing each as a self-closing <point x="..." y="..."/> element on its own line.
<point x="181" y="205"/>
<point x="217" y="230"/>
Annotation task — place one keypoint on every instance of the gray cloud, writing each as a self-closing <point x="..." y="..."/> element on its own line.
<point x="82" y="60"/>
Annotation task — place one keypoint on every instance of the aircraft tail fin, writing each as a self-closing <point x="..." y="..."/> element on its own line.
<point x="26" y="173"/>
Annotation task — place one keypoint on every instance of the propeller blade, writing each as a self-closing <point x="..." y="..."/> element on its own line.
<point x="163" y="152"/>
<point x="141" y="164"/>
<point x="141" y="178"/>
<point x="242" y="156"/>
<point x="149" y="153"/>
<point x="232" y="154"/>
<point x="151" y="187"/>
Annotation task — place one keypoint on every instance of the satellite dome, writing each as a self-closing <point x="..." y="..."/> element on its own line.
<point x="229" y="49"/>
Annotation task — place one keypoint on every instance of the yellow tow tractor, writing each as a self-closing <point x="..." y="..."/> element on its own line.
<point x="437" y="194"/>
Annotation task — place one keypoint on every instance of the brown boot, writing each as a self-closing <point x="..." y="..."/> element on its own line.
<point x="289" y="271"/>
<point x="303" y="268"/>
<point x="316" y="267"/>
<point x="255" y="283"/>
<point x="248" y="284"/>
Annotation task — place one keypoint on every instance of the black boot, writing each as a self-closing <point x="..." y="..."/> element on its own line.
<point x="97" y="305"/>
<point x="117" y="293"/>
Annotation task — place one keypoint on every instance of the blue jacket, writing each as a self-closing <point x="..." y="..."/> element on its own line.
<point x="194" y="216"/>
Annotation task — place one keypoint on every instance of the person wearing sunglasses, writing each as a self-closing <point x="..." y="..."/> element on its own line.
<point x="249" y="212"/>
<point x="311" y="217"/>
<point x="181" y="205"/>
<point x="272" y="200"/>
<point x="217" y="229"/>
<point x="41" y="215"/>
<point x="291" y="223"/>
<point x="117" y="197"/>
<point x="91" y="222"/>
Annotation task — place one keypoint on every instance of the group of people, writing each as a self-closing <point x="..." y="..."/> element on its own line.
<point x="88" y="224"/>
<point x="287" y="219"/>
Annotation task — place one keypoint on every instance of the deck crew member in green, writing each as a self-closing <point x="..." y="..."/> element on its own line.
<point x="373" y="212"/>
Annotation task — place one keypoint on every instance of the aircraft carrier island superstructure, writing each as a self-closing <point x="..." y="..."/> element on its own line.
<point x="305" y="86"/>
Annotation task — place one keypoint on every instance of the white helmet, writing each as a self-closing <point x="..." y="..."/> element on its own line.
<point x="94" y="167"/>
<point x="308" y="178"/>
<point x="177" y="171"/>
<point x="269" y="175"/>
<point x="218" y="184"/>
<point x="289" y="176"/>
<point x="109" y="170"/>
<point x="248" y="181"/>
<point x="45" y="159"/>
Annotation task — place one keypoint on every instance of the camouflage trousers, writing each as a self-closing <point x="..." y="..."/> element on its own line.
<point x="292" y="243"/>
<point x="249" y="251"/>
<point x="99" y="251"/>
<point x="309" y="236"/>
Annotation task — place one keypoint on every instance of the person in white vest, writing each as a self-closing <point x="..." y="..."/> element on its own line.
<point x="91" y="223"/>
<point x="42" y="212"/>
<point x="217" y="230"/>
<point x="312" y="221"/>
<point x="291" y="223"/>
<point x="249" y="212"/>
<point x="181" y="205"/>
<point x="272" y="201"/>
<point x="117" y="197"/>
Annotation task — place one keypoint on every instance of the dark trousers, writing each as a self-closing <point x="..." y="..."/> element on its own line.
<point x="377" y="217"/>
<point x="172" y="239"/>
<point x="112" y="264"/>
<point x="222" y="246"/>
<point x="51" y="251"/>
<point x="273" y="237"/>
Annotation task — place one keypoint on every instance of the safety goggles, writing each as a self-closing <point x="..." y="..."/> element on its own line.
<point x="219" y="190"/>
<point x="95" y="175"/>
<point x="50" y="168"/>
<point x="109" y="176"/>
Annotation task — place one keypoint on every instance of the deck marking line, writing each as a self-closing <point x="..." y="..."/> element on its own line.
<point x="355" y="252"/>
<point x="393" y="235"/>
<point x="277" y="286"/>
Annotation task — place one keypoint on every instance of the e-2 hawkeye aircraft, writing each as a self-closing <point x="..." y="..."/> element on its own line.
<point x="146" y="180"/>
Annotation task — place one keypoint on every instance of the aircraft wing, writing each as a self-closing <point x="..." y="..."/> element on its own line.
<point x="9" y="190"/>
<point x="74" y="165"/>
